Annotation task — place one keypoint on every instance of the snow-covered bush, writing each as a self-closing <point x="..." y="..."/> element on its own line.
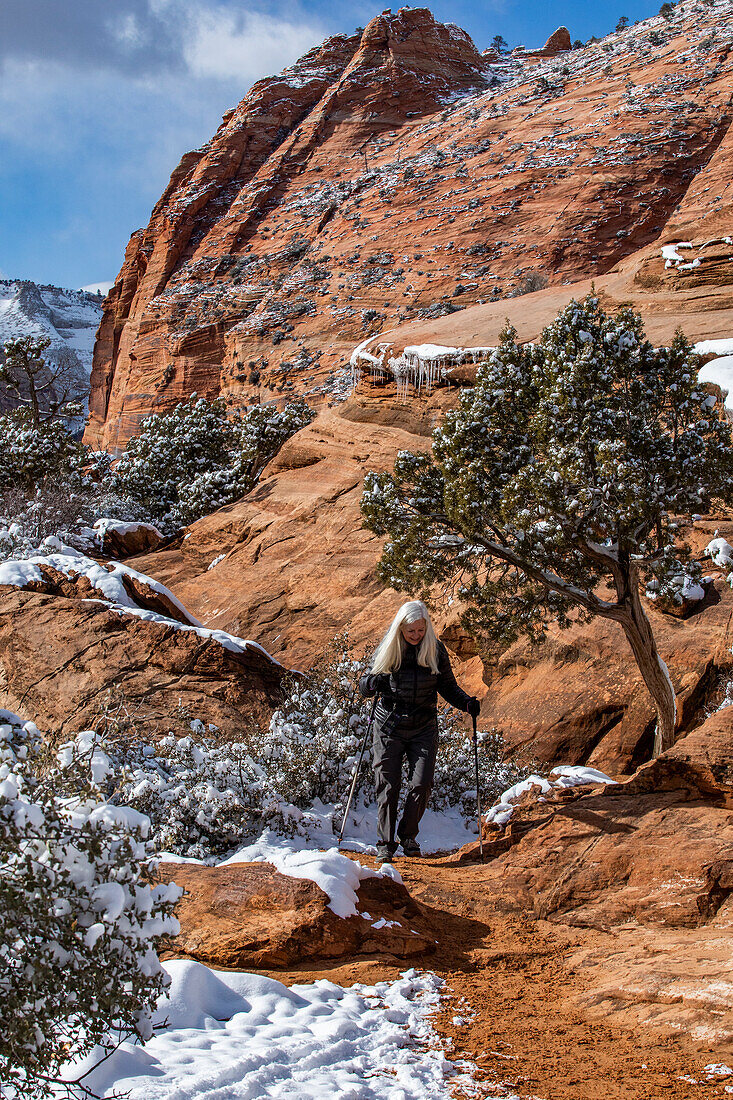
<point x="35" y="453"/>
<point x="33" y="523"/>
<point x="194" y="459"/>
<point x="79" y="919"/>
<point x="455" y="768"/>
<point x="314" y="737"/>
<point x="206" y="798"/>
<point x="203" y="800"/>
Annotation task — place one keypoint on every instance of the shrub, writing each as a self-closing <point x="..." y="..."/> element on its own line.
<point x="194" y="459"/>
<point x="33" y="453"/>
<point x="78" y="918"/>
<point x="534" y="280"/>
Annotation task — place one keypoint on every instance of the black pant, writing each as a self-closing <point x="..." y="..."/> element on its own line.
<point x="420" y="747"/>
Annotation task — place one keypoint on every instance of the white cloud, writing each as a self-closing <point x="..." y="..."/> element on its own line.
<point x="225" y="45"/>
<point x="127" y="30"/>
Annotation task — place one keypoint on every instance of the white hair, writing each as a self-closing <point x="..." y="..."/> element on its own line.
<point x="390" y="650"/>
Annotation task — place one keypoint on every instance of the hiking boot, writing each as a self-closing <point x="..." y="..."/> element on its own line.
<point x="411" y="847"/>
<point x="384" y="853"/>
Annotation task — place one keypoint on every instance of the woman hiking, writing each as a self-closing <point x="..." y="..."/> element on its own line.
<point x="409" y="668"/>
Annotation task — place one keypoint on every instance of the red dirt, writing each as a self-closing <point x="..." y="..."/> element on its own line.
<point x="508" y="975"/>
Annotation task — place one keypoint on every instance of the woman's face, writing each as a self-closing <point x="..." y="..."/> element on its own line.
<point x="414" y="632"/>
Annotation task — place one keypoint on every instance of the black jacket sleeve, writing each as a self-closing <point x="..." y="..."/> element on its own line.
<point x="447" y="685"/>
<point x="374" y="682"/>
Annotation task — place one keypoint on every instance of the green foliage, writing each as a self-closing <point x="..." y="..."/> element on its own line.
<point x="195" y="459"/>
<point x="78" y="920"/>
<point x="35" y="453"/>
<point x="566" y="463"/>
<point x="49" y="391"/>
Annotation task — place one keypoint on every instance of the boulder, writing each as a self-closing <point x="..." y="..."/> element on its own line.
<point x="247" y="915"/>
<point x="558" y="41"/>
<point x="65" y="648"/>
<point x="122" y="540"/>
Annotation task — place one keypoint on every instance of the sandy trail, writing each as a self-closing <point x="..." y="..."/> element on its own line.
<point x="510" y="983"/>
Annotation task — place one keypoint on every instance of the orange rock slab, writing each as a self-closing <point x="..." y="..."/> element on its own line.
<point x="248" y="915"/>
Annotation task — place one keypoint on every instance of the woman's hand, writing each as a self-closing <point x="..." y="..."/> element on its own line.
<point x="473" y="707"/>
<point x="382" y="682"/>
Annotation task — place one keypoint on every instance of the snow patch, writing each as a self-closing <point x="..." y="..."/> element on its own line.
<point x="238" y="1036"/>
<point x="568" y="775"/>
<point x="338" y="876"/>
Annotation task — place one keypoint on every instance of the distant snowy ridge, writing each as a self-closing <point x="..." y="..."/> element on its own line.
<point x="102" y="288"/>
<point x="69" y="318"/>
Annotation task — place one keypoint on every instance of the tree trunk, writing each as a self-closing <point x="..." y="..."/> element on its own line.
<point x="638" y="630"/>
<point x="35" y="408"/>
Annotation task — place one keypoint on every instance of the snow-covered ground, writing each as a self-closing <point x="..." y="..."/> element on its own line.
<point x="234" y="1035"/>
<point x="442" y="831"/>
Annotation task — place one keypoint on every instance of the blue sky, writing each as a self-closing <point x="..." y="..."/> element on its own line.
<point x="99" y="100"/>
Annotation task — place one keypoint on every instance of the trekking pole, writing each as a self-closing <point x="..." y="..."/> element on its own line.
<point x="478" y="790"/>
<point x="356" y="770"/>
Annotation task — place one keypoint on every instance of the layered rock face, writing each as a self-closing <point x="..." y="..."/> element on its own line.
<point x="397" y="175"/>
<point x="642" y="873"/>
<point x="67" y="651"/>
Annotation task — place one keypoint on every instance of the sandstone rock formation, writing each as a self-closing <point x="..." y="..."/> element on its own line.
<point x="645" y="870"/>
<point x="558" y="42"/>
<point x="63" y="648"/>
<point x="380" y="180"/>
<point x="298" y="567"/>
<point x="248" y="914"/>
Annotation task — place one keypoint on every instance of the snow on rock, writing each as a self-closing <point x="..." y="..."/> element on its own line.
<point x="671" y="255"/>
<point x="420" y="365"/>
<point x="121" y="540"/>
<point x="721" y="553"/>
<point x="338" y="876"/>
<point x="567" y="775"/>
<point x="720" y="373"/>
<point x="714" y="347"/>
<point x="108" y="580"/>
<point x="239" y="1036"/>
<point x="102" y="526"/>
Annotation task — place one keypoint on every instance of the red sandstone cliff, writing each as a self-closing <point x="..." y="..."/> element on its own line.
<point x="400" y="175"/>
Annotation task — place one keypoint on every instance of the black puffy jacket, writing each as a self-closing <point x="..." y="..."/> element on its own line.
<point x="411" y="703"/>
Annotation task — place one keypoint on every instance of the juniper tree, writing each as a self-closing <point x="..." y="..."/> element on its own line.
<point x="566" y="466"/>
<point x="49" y="391"/>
